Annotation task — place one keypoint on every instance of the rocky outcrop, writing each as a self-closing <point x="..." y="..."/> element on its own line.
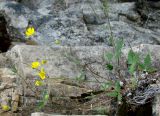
<point x="72" y="72"/>
<point x="61" y="63"/>
<point x="3" y="60"/>
<point x="9" y="91"/>
<point x="41" y="114"/>
<point x="66" y="80"/>
<point x="156" y="106"/>
<point x="77" y="22"/>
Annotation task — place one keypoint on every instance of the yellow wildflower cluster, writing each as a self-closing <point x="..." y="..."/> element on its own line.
<point x="37" y="64"/>
<point x="29" y="31"/>
<point x="41" y="73"/>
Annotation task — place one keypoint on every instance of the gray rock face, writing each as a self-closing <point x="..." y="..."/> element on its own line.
<point x="65" y="62"/>
<point x="93" y="12"/>
<point x="16" y="17"/>
<point x="76" y="22"/>
<point x="118" y="10"/>
<point x="3" y="60"/>
<point x="156" y="106"/>
<point x="9" y="92"/>
<point x="41" y="114"/>
<point x="64" y="67"/>
<point x="150" y="14"/>
<point x="59" y="65"/>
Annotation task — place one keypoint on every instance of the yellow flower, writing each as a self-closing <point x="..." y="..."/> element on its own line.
<point x="43" y="61"/>
<point x="57" y="42"/>
<point x="35" y="64"/>
<point x="5" y="107"/>
<point x="42" y="74"/>
<point x="30" y="31"/>
<point x="38" y="83"/>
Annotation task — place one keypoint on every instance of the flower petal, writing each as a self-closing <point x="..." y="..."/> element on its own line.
<point x="35" y="64"/>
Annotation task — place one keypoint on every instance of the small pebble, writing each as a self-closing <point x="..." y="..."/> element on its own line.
<point x="121" y="83"/>
<point x="129" y="94"/>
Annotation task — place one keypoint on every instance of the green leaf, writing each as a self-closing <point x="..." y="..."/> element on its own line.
<point x="109" y="67"/>
<point x="105" y="5"/>
<point x="111" y="41"/>
<point x="151" y="69"/>
<point x="14" y="70"/>
<point x="118" y="48"/>
<point x="133" y="58"/>
<point x="119" y="97"/>
<point x="112" y="94"/>
<point x="141" y="66"/>
<point x="133" y="61"/>
<point x="119" y="44"/>
<point x="117" y="86"/>
<point x="130" y="57"/>
<point x="81" y="77"/>
<point x="108" y="56"/>
<point x="106" y="85"/>
<point x="132" y="68"/>
<point x="41" y="104"/>
<point x="147" y="61"/>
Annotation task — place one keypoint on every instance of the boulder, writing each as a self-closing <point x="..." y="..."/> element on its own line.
<point x="70" y="62"/>
<point x="7" y="75"/>
<point x="3" y="60"/>
<point x="42" y="114"/>
<point x="127" y="9"/>
<point x="69" y="30"/>
<point x="60" y="62"/>
<point x="72" y="73"/>
<point x="93" y="12"/>
<point x="9" y="90"/>
<point x="75" y="22"/>
<point x="156" y="105"/>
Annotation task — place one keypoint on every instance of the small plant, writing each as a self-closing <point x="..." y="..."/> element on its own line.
<point x="134" y="65"/>
<point x="81" y="77"/>
<point x="40" y="82"/>
<point x="116" y="55"/>
<point x="116" y="92"/>
<point x="113" y="90"/>
<point x="44" y="100"/>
